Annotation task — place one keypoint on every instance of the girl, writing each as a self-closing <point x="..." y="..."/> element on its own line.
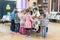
<point x="28" y="23"/>
<point x="22" y="21"/>
<point x="22" y="17"/>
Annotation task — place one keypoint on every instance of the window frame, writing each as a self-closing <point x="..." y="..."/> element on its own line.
<point x="58" y="7"/>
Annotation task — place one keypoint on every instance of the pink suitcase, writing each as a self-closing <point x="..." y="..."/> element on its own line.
<point x="22" y="30"/>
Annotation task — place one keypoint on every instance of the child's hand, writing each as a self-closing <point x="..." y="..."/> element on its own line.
<point x="38" y="17"/>
<point x="41" y="17"/>
<point x="33" y="17"/>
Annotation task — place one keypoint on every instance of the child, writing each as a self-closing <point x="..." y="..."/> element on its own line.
<point x="28" y="23"/>
<point x="17" y="22"/>
<point x="36" y="17"/>
<point x="12" y="27"/>
<point x="22" y="21"/>
<point x="22" y="17"/>
<point x="47" y="17"/>
<point x="34" y="5"/>
<point x="44" y="24"/>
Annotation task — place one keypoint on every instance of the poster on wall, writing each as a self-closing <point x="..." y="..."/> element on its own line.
<point x="10" y="0"/>
<point x="22" y="4"/>
<point x="8" y="7"/>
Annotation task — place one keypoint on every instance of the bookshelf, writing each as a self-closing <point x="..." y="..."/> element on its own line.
<point x="44" y="3"/>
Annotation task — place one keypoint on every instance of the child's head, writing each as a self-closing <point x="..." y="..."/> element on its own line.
<point x="23" y="11"/>
<point x="34" y="3"/>
<point x="43" y="16"/>
<point x="16" y="12"/>
<point x="27" y="10"/>
<point x="44" y="10"/>
<point x="35" y="9"/>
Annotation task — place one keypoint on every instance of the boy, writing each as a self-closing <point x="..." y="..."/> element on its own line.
<point x="17" y="22"/>
<point x="12" y="27"/>
<point x="47" y="17"/>
<point x="44" y="25"/>
<point x="34" y="5"/>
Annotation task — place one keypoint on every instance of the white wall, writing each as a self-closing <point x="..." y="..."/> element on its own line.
<point x="31" y="2"/>
<point x="28" y="4"/>
<point x="21" y="4"/>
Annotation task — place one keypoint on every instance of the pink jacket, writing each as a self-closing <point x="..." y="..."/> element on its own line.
<point x="28" y="21"/>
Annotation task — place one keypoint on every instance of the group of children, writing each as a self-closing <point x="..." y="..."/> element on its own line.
<point x="23" y="22"/>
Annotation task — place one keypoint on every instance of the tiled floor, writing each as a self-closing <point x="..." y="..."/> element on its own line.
<point x="53" y="34"/>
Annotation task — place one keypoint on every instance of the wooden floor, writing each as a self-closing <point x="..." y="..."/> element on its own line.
<point x="53" y="34"/>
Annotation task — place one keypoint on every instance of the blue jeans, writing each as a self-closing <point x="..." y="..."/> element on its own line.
<point x="46" y="29"/>
<point x="12" y="27"/>
<point x="17" y="27"/>
<point x="43" y="31"/>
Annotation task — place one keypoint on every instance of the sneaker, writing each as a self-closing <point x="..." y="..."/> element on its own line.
<point x="29" y="36"/>
<point x="34" y="30"/>
<point x="44" y="36"/>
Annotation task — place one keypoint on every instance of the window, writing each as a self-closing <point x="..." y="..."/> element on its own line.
<point x="59" y="5"/>
<point x="55" y="5"/>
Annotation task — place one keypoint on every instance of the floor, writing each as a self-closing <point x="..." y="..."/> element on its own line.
<point x="53" y="33"/>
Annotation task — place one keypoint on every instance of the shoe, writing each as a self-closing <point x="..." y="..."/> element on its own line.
<point x="34" y="30"/>
<point x="29" y="36"/>
<point x="44" y="36"/>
